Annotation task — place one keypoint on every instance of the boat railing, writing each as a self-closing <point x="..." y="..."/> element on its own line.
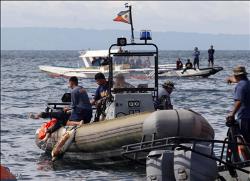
<point x="221" y="147"/>
<point x="59" y="106"/>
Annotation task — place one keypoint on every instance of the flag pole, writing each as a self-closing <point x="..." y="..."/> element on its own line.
<point x="131" y="22"/>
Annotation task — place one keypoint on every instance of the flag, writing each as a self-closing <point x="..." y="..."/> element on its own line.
<point x="123" y="16"/>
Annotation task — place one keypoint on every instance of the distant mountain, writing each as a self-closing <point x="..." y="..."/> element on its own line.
<point x="79" y="39"/>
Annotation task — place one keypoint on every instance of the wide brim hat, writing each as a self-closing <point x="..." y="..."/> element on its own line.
<point x="169" y="84"/>
<point x="239" y="70"/>
<point x="119" y="75"/>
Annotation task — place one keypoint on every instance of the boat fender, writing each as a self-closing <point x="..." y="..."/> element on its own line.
<point x="159" y="165"/>
<point x="45" y="127"/>
<point x="190" y="166"/>
<point x="63" y="144"/>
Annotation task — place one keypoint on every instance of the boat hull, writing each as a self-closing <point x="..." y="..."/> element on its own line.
<point x="102" y="136"/>
<point x="68" y="72"/>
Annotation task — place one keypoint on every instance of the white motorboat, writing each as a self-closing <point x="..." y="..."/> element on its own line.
<point x="92" y="60"/>
<point x="203" y="72"/>
<point x="96" y="61"/>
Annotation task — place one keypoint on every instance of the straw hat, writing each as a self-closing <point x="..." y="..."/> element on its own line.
<point x="169" y="84"/>
<point x="240" y="70"/>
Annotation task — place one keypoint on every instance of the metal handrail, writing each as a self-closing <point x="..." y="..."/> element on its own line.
<point x="174" y="142"/>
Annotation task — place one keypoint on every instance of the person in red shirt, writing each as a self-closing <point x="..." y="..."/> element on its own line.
<point x="179" y="64"/>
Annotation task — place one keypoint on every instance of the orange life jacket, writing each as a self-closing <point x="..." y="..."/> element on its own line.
<point x="45" y="127"/>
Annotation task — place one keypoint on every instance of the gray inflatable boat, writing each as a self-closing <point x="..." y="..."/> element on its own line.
<point x="104" y="139"/>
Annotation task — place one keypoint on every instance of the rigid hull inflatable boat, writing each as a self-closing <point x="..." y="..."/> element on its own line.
<point x="202" y="72"/>
<point x="105" y="137"/>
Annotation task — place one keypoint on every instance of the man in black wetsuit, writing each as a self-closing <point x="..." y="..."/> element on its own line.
<point x="211" y="56"/>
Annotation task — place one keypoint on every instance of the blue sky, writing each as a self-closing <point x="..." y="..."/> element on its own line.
<point x="217" y="17"/>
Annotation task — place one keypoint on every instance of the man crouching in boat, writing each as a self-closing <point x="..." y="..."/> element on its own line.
<point x="164" y="101"/>
<point x="242" y="101"/>
<point x="100" y="96"/>
<point x="80" y="111"/>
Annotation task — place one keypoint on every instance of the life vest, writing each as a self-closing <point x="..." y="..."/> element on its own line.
<point x="45" y="127"/>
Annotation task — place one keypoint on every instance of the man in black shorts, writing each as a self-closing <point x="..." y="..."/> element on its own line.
<point x="211" y="56"/>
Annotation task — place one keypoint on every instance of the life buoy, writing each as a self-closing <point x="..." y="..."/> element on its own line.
<point x="45" y="127"/>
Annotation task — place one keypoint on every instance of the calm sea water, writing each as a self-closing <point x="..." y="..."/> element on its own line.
<point x="25" y="89"/>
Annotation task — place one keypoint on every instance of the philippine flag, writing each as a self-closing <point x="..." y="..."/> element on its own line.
<point x="123" y="16"/>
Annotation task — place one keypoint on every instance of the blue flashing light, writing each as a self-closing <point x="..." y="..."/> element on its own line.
<point x="145" y="35"/>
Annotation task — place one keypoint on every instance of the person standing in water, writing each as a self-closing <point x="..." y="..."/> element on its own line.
<point x="211" y="56"/>
<point x="241" y="107"/>
<point x="196" y="55"/>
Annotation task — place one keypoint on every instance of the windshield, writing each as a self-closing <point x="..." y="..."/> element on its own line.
<point x="133" y="71"/>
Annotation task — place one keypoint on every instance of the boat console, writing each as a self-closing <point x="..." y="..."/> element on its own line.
<point x="132" y="91"/>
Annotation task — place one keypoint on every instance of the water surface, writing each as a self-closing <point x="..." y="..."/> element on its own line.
<point x="25" y="89"/>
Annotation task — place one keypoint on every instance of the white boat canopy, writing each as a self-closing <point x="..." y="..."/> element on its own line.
<point x="97" y="53"/>
<point x="89" y="56"/>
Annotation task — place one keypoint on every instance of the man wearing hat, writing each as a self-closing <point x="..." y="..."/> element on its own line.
<point x="120" y="82"/>
<point x="164" y="101"/>
<point x="241" y="108"/>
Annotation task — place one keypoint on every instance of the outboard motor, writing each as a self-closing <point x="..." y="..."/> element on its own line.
<point x="160" y="165"/>
<point x="169" y="165"/>
<point x="190" y="166"/>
